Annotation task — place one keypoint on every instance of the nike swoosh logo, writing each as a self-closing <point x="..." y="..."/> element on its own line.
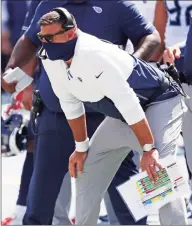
<point x="99" y="75"/>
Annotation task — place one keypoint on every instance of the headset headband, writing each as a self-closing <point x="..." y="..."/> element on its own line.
<point x="67" y="18"/>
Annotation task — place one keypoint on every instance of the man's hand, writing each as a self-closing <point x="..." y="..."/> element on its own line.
<point x="8" y="87"/>
<point x="76" y="162"/>
<point x="149" y="163"/>
<point x="27" y="97"/>
<point x="171" y="53"/>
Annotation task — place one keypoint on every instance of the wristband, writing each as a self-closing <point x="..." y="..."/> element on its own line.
<point x="148" y="147"/>
<point x="17" y="75"/>
<point x="82" y="146"/>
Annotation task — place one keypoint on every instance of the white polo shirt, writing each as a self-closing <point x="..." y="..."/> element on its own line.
<point x="98" y="70"/>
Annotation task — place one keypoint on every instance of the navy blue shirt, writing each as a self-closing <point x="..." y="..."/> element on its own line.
<point x="30" y="13"/>
<point x="115" y="21"/>
<point x="28" y="17"/>
<point x="188" y="54"/>
<point x="16" y="11"/>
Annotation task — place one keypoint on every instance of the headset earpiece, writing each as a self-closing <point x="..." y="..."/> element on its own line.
<point x="68" y="19"/>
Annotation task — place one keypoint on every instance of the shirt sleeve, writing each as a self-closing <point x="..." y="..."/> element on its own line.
<point x="188" y="53"/>
<point x="38" y="9"/>
<point x="113" y="84"/>
<point x="71" y="106"/>
<point x="132" y="22"/>
<point x="32" y="6"/>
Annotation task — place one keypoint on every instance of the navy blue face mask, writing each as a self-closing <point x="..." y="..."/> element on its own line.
<point x="60" y="51"/>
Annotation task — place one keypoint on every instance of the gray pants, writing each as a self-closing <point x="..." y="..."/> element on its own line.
<point x="187" y="126"/>
<point x="62" y="206"/>
<point x="111" y="143"/>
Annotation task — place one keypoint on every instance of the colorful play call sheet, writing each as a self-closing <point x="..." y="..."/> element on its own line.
<point x="144" y="197"/>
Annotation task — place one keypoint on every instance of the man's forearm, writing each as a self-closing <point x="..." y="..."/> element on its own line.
<point x="31" y="66"/>
<point x="147" y="46"/>
<point x="79" y="129"/>
<point x="143" y="132"/>
<point x="160" y="22"/>
<point x="23" y="52"/>
<point x="157" y="57"/>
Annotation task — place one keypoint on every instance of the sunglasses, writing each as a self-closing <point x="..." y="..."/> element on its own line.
<point x="49" y="37"/>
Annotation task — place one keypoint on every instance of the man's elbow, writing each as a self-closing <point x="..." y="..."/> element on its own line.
<point x="155" y="39"/>
<point x="148" y="45"/>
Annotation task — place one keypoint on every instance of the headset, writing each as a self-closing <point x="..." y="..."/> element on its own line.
<point x="66" y="17"/>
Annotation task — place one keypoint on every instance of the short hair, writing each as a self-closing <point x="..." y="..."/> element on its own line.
<point x="53" y="17"/>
